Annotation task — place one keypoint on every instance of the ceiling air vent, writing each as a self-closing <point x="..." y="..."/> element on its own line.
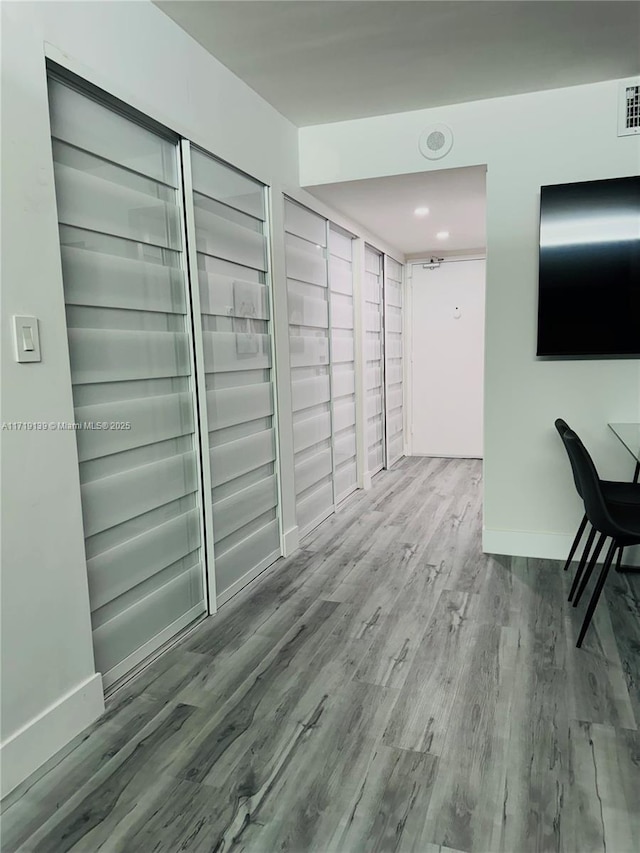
<point x="436" y="141"/>
<point x="629" y="108"/>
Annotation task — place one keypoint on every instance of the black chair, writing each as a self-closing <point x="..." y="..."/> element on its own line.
<point x="615" y="520"/>
<point x="613" y="491"/>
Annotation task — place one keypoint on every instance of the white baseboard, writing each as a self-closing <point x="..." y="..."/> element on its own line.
<point x="546" y="546"/>
<point x="290" y="541"/>
<point x="445" y="455"/>
<point x="41" y="738"/>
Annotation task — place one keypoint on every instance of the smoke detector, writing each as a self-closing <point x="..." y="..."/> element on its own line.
<point x="629" y="108"/>
<point x="436" y="141"/>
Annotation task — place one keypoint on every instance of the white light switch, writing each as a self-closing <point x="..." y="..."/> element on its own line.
<point x="26" y="338"/>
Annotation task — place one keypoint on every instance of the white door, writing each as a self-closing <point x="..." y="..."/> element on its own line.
<point x="447" y="359"/>
<point x="307" y="288"/>
<point x="374" y="360"/>
<point x="343" y="373"/>
<point x="119" y="211"/>
<point x="235" y="304"/>
<point x="393" y="368"/>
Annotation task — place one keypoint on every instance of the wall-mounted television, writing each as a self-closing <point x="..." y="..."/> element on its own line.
<point x="589" y="270"/>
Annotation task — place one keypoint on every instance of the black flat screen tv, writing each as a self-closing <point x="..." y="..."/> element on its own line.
<point x="589" y="270"/>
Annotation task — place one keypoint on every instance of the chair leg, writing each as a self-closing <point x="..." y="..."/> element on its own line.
<point x="589" y="570"/>
<point x="583" y="561"/>
<point x="619" y="560"/>
<point x="576" y="542"/>
<point x="596" y="592"/>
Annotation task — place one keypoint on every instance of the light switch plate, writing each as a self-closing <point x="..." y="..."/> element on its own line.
<point x="26" y="338"/>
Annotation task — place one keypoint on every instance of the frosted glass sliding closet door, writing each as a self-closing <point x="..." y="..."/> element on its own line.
<point x="343" y="376"/>
<point x="374" y="360"/>
<point x="120" y="219"/>
<point x="235" y="304"/>
<point x="308" y="295"/>
<point x="393" y="359"/>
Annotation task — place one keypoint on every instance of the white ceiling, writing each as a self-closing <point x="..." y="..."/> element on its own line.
<point x="318" y="61"/>
<point x="455" y="198"/>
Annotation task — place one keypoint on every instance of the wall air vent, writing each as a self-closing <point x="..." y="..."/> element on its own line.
<point x="629" y="108"/>
<point x="436" y="141"/>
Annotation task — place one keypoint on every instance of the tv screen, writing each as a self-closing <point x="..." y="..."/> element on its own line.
<point x="589" y="272"/>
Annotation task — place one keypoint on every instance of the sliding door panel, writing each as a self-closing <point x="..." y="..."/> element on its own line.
<point x="231" y="460"/>
<point x="394" y="364"/>
<point x="232" y="260"/>
<point x="374" y="365"/>
<point x="308" y="299"/>
<point x="120" y="219"/>
<point x="342" y="362"/>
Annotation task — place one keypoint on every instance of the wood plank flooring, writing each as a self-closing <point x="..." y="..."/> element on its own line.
<point x="387" y="688"/>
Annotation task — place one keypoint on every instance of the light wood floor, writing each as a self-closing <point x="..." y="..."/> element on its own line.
<point x="388" y="688"/>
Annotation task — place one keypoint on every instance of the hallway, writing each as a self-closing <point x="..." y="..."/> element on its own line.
<point x="387" y="688"/>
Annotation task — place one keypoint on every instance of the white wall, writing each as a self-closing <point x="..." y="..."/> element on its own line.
<point x="526" y="141"/>
<point x="446" y="333"/>
<point x="50" y="691"/>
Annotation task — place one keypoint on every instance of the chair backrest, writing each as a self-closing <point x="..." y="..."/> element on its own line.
<point x="563" y="427"/>
<point x="594" y="503"/>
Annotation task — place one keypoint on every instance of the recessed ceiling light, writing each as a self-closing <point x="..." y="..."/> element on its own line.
<point x="442" y="235"/>
<point x="421" y="211"/>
